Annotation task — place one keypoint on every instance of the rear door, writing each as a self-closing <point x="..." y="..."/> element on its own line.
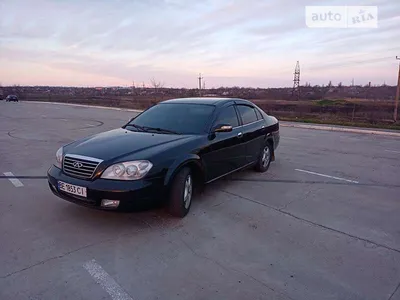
<point x="252" y="130"/>
<point x="226" y="151"/>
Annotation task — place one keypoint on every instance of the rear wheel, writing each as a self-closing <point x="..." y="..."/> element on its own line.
<point x="181" y="193"/>
<point x="264" y="160"/>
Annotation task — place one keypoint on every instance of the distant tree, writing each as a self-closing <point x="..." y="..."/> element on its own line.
<point x="157" y="85"/>
<point x="18" y="90"/>
<point x="340" y="85"/>
<point x="330" y="83"/>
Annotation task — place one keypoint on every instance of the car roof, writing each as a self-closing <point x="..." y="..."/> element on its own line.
<point x="205" y="100"/>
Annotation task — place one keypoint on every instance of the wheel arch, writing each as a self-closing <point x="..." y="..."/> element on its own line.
<point x="270" y="141"/>
<point x="193" y="162"/>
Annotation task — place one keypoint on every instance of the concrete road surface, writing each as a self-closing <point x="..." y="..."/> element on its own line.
<point x="322" y="223"/>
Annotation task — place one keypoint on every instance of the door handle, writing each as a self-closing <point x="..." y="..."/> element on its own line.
<point x="240" y="135"/>
<point x="262" y="127"/>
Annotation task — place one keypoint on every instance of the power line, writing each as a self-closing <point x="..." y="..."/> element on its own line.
<point x="349" y="63"/>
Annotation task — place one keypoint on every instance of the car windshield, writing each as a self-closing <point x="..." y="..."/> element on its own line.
<point x="181" y="118"/>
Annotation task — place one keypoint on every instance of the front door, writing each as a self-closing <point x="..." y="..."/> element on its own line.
<point x="226" y="151"/>
<point x="252" y="129"/>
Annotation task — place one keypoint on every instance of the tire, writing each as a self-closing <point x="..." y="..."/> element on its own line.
<point x="181" y="193"/>
<point x="265" y="158"/>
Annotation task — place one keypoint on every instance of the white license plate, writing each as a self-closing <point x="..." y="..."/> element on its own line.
<point x="72" y="189"/>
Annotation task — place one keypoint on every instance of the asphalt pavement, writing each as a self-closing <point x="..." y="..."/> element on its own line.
<point x="322" y="223"/>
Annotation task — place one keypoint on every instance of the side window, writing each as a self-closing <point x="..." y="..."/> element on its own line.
<point x="228" y="116"/>
<point x="259" y="115"/>
<point x="247" y="113"/>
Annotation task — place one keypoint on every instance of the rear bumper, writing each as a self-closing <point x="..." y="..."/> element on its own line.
<point x="276" y="137"/>
<point x="129" y="193"/>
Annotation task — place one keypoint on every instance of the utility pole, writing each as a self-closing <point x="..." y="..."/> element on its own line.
<point x="396" y="105"/>
<point x="369" y="89"/>
<point x="133" y="90"/>
<point x="296" y="82"/>
<point x="200" y="78"/>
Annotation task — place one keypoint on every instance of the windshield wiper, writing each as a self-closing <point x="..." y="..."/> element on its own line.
<point x="141" y="128"/>
<point x="161" y="130"/>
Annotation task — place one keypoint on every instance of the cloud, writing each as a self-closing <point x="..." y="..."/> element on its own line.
<point x="175" y="39"/>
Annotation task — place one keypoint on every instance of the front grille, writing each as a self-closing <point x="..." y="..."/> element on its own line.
<point x="80" y="166"/>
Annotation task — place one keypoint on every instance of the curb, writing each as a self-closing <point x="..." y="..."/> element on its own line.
<point x="83" y="105"/>
<point x="342" y="129"/>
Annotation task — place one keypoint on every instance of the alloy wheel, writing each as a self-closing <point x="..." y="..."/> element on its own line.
<point x="187" y="194"/>
<point x="266" y="156"/>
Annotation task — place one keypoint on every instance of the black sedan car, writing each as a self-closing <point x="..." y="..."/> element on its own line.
<point x="12" y="98"/>
<point x="165" y="153"/>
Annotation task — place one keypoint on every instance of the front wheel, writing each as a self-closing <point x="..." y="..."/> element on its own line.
<point x="265" y="158"/>
<point x="181" y="193"/>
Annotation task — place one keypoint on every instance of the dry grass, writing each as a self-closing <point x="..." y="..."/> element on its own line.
<point x="347" y="112"/>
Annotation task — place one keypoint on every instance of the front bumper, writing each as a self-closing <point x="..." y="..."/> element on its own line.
<point x="129" y="193"/>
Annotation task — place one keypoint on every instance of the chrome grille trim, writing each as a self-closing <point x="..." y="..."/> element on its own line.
<point x="86" y="171"/>
<point x="87" y="158"/>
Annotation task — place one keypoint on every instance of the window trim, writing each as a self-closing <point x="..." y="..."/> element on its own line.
<point x="259" y="114"/>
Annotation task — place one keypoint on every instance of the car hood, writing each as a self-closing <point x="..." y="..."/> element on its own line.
<point x="119" y="143"/>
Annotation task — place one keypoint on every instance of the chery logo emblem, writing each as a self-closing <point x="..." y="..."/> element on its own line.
<point x="77" y="164"/>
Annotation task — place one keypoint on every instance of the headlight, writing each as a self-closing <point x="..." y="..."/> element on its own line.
<point x="59" y="157"/>
<point x="130" y="170"/>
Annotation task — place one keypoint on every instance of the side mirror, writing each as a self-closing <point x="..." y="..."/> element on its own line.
<point x="223" y="128"/>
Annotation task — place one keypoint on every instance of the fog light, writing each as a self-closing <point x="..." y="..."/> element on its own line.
<point x="109" y="203"/>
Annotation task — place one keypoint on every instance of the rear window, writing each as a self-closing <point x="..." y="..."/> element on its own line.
<point x="247" y="113"/>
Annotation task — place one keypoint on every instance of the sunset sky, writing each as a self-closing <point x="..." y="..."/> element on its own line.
<point x="233" y="43"/>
